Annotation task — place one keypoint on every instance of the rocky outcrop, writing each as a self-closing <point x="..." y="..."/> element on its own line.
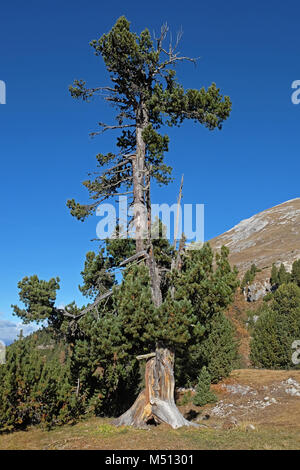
<point x="257" y="290"/>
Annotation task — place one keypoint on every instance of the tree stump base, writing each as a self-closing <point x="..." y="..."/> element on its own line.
<point x="156" y="403"/>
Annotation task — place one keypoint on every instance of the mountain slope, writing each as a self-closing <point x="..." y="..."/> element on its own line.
<point x="271" y="236"/>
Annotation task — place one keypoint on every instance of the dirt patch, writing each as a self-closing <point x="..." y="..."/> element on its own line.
<point x="258" y="396"/>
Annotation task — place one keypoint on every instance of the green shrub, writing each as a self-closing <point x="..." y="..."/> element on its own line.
<point x="34" y="388"/>
<point x="276" y="330"/>
<point x="249" y="276"/>
<point x="203" y="393"/>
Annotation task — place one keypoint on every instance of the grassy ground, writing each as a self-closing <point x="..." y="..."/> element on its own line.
<point x="275" y="427"/>
<point x="99" y="434"/>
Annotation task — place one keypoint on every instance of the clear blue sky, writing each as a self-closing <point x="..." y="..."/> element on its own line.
<point x="251" y="51"/>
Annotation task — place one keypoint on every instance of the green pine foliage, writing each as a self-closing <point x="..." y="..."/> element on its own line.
<point x="249" y="276"/>
<point x="195" y="327"/>
<point x="141" y="73"/>
<point x="35" y="386"/>
<point x="96" y="277"/>
<point x="100" y="373"/>
<point x="203" y="393"/>
<point x="212" y="337"/>
<point x="38" y="296"/>
<point x="283" y="276"/>
<point x="277" y="327"/>
<point x="218" y="350"/>
<point x="280" y="276"/>
<point x="295" y="275"/>
<point x="104" y="365"/>
<point x="274" y="275"/>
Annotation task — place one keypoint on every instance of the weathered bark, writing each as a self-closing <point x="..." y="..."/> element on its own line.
<point x="156" y="404"/>
<point x="151" y="263"/>
<point x="138" y="173"/>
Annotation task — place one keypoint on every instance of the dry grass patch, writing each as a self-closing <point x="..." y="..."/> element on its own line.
<point x="274" y="427"/>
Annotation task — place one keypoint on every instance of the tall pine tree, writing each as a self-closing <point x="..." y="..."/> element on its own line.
<point x="147" y="95"/>
<point x="154" y="305"/>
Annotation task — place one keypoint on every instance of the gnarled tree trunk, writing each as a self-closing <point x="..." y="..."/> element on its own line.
<point x="156" y="403"/>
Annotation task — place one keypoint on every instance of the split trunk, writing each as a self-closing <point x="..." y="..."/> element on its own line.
<point x="156" y="403"/>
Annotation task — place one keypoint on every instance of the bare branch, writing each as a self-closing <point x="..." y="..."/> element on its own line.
<point x="132" y="258"/>
<point x="103" y="88"/>
<point x="129" y="178"/>
<point x="172" y="55"/>
<point x="163" y="34"/>
<point x="87" y="309"/>
<point x="65" y="313"/>
<point x="94" y="304"/>
<point x="121" y="194"/>
<point x="178" y="39"/>
<point x="130" y="155"/>
<point x="89" y="207"/>
<point x="106" y="127"/>
<point x="115" y="172"/>
<point x="106" y="196"/>
<point x="122" y="163"/>
<point x="146" y="356"/>
<point x="172" y="60"/>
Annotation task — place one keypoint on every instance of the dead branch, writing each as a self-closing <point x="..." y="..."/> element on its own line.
<point x="172" y="60"/>
<point x="172" y="55"/>
<point x="87" y="309"/>
<point x="106" y="127"/>
<point x="163" y="34"/>
<point x="103" y="88"/>
<point x="112" y="169"/>
<point x="134" y="257"/>
<point x="146" y="356"/>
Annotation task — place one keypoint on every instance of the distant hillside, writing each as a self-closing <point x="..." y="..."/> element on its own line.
<point x="49" y="347"/>
<point x="271" y="236"/>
